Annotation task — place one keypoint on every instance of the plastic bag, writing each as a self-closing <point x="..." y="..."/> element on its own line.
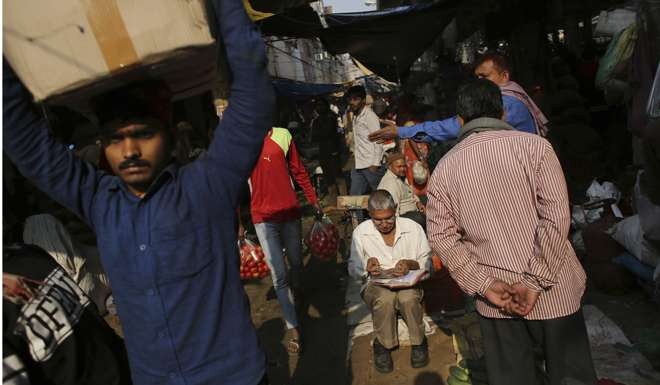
<point x="323" y="239"/>
<point x="253" y="263"/>
<point x="628" y="233"/>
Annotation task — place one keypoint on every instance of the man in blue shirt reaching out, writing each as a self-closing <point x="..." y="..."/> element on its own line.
<point x="520" y="111"/>
<point x="167" y="234"/>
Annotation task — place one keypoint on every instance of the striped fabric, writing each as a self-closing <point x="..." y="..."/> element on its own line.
<point x="498" y="208"/>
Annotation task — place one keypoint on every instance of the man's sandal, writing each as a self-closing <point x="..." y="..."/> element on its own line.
<point x="294" y="346"/>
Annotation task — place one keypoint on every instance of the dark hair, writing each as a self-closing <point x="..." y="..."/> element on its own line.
<point x="148" y="99"/>
<point x="356" y="91"/>
<point x="498" y="60"/>
<point x="479" y="98"/>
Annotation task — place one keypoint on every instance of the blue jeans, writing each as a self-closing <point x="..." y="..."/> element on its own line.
<point x="363" y="179"/>
<point x="274" y="237"/>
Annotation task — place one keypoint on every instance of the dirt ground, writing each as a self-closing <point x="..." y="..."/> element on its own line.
<point x="323" y="322"/>
<point x="441" y="355"/>
<point x="326" y="361"/>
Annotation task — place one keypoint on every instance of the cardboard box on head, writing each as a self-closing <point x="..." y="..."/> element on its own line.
<point x="69" y="50"/>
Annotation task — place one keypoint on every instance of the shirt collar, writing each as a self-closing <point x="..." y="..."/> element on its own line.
<point x="398" y="232"/>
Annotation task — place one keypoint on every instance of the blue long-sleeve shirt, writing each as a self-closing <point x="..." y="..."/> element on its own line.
<point x="171" y="256"/>
<point x="515" y="113"/>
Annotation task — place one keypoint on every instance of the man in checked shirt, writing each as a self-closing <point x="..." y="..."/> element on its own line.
<point x="498" y="216"/>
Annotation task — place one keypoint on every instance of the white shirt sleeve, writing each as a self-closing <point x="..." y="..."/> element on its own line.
<point x="423" y="254"/>
<point x="356" y="265"/>
<point x="376" y="152"/>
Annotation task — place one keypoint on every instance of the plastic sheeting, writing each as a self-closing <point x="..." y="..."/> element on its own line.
<point x="387" y="41"/>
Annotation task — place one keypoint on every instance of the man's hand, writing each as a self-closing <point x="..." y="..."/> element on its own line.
<point x="524" y="300"/>
<point x="318" y="211"/>
<point x="421" y="207"/>
<point x="373" y="267"/>
<point x="401" y="268"/>
<point x="384" y="134"/>
<point x="500" y="294"/>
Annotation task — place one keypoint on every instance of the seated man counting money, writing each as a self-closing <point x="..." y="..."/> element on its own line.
<point x="387" y="244"/>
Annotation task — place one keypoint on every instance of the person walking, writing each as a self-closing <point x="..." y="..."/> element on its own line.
<point x="276" y="217"/>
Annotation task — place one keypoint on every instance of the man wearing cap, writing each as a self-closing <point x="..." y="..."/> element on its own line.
<point x="166" y="234"/>
<point x="394" y="181"/>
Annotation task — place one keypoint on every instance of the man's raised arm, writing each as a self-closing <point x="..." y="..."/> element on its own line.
<point x="239" y="137"/>
<point x="49" y="165"/>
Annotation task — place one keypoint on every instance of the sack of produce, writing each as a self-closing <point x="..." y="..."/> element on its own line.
<point x="253" y="263"/>
<point x="323" y="239"/>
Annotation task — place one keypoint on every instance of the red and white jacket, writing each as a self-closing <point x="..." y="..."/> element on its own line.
<point x="273" y="197"/>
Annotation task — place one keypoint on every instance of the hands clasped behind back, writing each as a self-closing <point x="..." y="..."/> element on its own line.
<point x="516" y="300"/>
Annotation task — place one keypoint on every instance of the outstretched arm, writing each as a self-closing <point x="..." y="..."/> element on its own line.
<point x="239" y="136"/>
<point x="432" y="131"/>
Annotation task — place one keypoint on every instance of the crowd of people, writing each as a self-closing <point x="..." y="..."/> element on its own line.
<point x="495" y="210"/>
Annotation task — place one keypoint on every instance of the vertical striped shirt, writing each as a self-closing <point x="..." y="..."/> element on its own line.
<point x="498" y="209"/>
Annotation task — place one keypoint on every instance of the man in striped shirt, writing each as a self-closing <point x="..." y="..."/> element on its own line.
<point x="498" y="216"/>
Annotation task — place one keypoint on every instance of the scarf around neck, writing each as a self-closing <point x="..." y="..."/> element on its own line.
<point x="483" y="124"/>
<point x="513" y="89"/>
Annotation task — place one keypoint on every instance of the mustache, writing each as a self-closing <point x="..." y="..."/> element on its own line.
<point x="133" y="163"/>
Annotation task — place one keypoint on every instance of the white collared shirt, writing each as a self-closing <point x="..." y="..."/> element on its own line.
<point x="367" y="153"/>
<point x="409" y="243"/>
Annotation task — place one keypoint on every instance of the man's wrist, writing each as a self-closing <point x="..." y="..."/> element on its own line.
<point x="404" y="132"/>
<point x="487" y="282"/>
<point x="531" y="283"/>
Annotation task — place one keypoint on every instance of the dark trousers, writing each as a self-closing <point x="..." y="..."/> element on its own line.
<point x="517" y="351"/>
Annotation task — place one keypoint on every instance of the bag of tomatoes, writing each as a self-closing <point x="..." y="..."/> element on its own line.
<point x="323" y="239"/>
<point x="253" y="263"/>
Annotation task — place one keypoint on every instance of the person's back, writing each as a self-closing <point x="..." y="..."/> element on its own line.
<point x="498" y="216"/>
<point x="492" y="179"/>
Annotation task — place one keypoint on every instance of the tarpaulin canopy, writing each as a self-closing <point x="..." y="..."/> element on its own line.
<point x="300" y="22"/>
<point x="300" y="90"/>
<point x="389" y="41"/>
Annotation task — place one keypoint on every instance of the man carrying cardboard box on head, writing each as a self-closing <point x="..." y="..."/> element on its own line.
<point x="167" y="235"/>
